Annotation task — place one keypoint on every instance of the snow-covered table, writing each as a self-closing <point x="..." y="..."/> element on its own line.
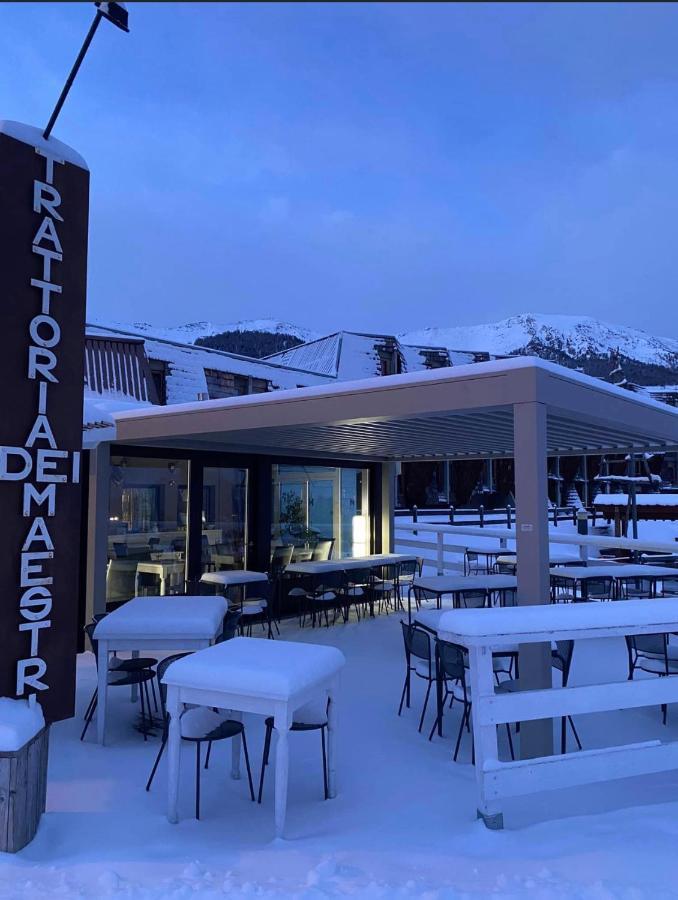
<point x="619" y="572"/>
<point x="439" y="585"/>
<point x="164" y="569"/>
<point x="154" y="623"/>
<point x="233" y="577"/>
<point x="318" y="567"/>
<point x="271" y="678"/>
<point x="483" y="630"/>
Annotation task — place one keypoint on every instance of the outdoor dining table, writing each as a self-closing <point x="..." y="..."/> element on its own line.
<point x="271" y="678"/>
<point x="233" y="577"/>
<point x="318" y="567"/>
<point x="154" y="623"/>
<point x="165" y="569"/>
<point x="619" y="572"/>
<point x="439" y="585"/>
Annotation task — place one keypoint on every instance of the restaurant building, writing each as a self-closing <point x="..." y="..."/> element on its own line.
<point x="176" y="491"/>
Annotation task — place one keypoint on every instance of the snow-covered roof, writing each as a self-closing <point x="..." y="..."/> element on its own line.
<point x="458" y="412"/>
<point x="186" y="363"/>
<point x="98" y="422"/>
<point x="321" y="355"/>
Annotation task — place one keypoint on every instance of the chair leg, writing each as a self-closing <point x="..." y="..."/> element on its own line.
<point x="406" y="691"/>
<point x="89" y="705"/>
<point x="155" y="698"/>
<point x="157" y="762"/>
<point x="423" y="712"/>
<point x="144" y="729"/>
<point x="208" y="754"/>
<point x="264" y="760"/>
<point x="510" y="741"/>
<point x="197" y="779"/>
<point x="90" y="714"/>
<point x="461" y="731"/>
<point x="574" y="732"/>
<point x="322" y="739"/>
<point x="247" y="765"/>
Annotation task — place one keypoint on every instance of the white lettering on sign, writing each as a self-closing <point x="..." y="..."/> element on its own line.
<point x="39" y="463"/>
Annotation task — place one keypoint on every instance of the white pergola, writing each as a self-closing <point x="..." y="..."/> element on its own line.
<point x="522" y="407"/>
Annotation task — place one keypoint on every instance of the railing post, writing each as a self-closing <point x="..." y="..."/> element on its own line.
<point x="451" y="514"/>
<point x="508" y="516"/>
<point x="481" y="515"/>
<point x="555" y="516"/>
<point x="414" y="517"/>
<point x="439" y="539"/>
<point x="583" y="528"/>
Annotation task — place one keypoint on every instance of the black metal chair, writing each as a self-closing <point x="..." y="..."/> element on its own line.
<point x="418" y="648"/>
<point x="257" y="610"/>
<point x="199" y="725"/>
<point x="475" y="599"/>
<point x="637" y="588"/>
<point x="358" y="591"/>
<point x="323" y="550"/>
<point x="385" y="586"/>
<point x="596" y="589"/>
<point x="229" y="626"/>
<point x="326" y="596"/>
<point x="471" y="562"/>
<point x="124" y="673"/>
<point x="408" y="570"/>
<point x="308" y="718"/>
<point x="651" y="653"/>
<point x="451" y="669"/>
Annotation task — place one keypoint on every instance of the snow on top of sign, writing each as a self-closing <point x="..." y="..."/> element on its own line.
<point x="641" y="500"/>
<point x="29" y="134"/>
<point x="19" y="722"/>
<point x="277" y="669"/>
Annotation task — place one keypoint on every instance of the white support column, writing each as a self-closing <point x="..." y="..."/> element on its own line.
<point x="97" y="529"/>
<point x="529" y="441"/>
<point x="387" y="506"/>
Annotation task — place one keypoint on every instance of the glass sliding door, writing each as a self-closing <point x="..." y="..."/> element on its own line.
<point x="320" y="510"/>
<point x="224" y="519"/>
<point x="148" y="511"/>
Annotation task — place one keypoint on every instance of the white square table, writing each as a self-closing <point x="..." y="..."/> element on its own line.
<point x="154" y="623"/>
<point x="233" y="577"/>
<point x="271" y="678"/>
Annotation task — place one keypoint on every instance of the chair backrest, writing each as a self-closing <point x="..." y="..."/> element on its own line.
<point x="471" y="555"/>
<point x="160" y="670"/>
<point x="475" y="599"/>
<point x="281" y="556"/>
<point x="639" y="587"/>
<point x="649" y="643"/>
<point x="597" y="587"/>
<point x="422" y="594"/>
<point x="300" y="554"/>
<point x="89" y="631"/>
<point x="230" y="625"/>
<point x="670" y="585"/>
<point x="358" y="576"/>
<point x="329" y="581"/>
<point x="389" y="571"/>
<point x="407" y="569"/>
<point x="451" y="658"/>
<point x="561" y="658"/>
<point x="417" y="641"/>
<point x="323" y="549"/>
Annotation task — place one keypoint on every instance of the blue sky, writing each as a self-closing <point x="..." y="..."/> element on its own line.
<point x="380" y="167"/>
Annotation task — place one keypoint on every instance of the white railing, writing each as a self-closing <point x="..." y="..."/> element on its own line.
<point x="435" y="550"/>
<point x="483" y="631"/>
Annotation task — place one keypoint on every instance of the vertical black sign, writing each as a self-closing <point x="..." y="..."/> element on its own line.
<point x="44" y="199"/>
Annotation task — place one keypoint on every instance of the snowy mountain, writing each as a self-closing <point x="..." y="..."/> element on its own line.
<point x="194" y="331"/>
<point x="567" y="339"/>
<point x="575" y="336"/>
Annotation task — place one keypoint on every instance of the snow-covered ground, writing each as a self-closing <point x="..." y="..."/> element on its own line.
<point x="403" y="824"/>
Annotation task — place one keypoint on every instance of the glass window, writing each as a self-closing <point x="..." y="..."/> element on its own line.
<point x="320" y="511"/>
<point x="224" y="519"/>
<point x="148" y="510"/>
